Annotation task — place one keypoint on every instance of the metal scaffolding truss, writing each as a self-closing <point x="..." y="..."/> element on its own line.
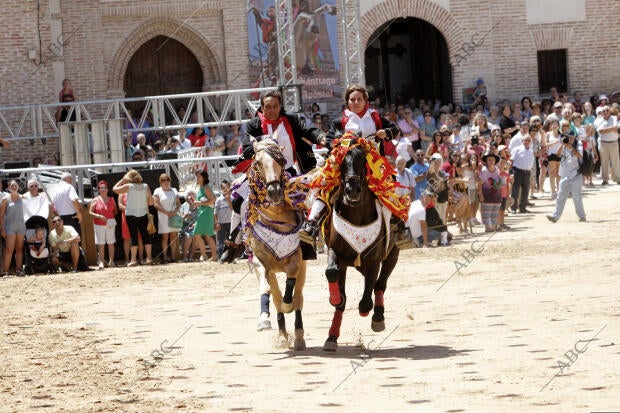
<point x="287" y="63"/>
<point x="212" y="108"/>
<point x="351" y="39"/>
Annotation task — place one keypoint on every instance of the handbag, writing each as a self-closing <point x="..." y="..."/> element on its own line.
<point x="175" y="221"/>
<point x="151" y="225"/>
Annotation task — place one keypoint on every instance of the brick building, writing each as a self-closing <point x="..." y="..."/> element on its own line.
<point x="429" y="48"/>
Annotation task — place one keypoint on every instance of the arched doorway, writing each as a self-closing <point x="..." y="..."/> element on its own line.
<point x="162" y="66"/>
<point x="408" y="56"/>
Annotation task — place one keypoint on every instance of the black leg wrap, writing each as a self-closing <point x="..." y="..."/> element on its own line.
<point x="281" y="323"/>
<point x="288" y="292"/>
<point x="298" y="321"/>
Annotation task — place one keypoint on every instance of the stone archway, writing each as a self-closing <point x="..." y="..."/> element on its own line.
<point x="422" y="9"/>
<point x="380" y="16"/>
<point x="213" y="72"/>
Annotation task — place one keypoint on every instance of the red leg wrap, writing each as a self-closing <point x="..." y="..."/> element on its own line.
<point x="334" y="330"/>
<point x="379" y="298"/>
<point x="334" y="294"/>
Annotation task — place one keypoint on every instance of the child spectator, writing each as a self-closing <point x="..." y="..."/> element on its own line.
<point x="38" y="245"/>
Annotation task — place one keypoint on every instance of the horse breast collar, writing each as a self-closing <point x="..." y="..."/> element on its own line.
<point x="361" y="237"/>
<point x="281" y="244"/>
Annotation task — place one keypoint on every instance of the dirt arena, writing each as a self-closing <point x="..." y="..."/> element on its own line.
<point x="527" y="324"/>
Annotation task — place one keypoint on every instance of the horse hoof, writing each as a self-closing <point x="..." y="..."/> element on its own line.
<point x="377" y="326"/>
<point x="364" y="313"/>
<point x="287" y="307"/>
<point x="330" y="344"/>
<point x="300" y="344"/>
<point x="282" y="340"/>
<point x="263" y="322"/>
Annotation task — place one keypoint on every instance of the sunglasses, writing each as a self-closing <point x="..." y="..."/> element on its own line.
<point x="56" y="221"/>
<point x="33" y="186"/>
<point x="165" y="180"/>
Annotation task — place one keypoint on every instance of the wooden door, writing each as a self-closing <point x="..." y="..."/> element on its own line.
<point x="162" y="66"/>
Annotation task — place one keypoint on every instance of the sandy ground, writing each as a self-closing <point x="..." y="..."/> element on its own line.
<point x="494" y="338"/>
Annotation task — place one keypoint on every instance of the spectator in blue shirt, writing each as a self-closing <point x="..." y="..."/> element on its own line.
<point x="419" y="170"/>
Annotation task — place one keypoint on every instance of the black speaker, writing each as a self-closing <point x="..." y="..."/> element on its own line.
<point x="167" y="155"/>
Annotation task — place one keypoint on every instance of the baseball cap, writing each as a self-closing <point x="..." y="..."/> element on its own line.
<point x="436" y="156"/>
<point x="557" y="105"/>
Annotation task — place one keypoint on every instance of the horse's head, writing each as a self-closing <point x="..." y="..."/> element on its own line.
<point x="353" y="172"/>
<point x="269" y="163"/>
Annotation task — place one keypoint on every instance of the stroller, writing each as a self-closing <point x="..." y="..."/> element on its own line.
<point x="37" y="252"/>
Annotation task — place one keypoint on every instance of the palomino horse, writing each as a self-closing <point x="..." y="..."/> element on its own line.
<point x="359" y="237"/>
<point x="273" y="225"/>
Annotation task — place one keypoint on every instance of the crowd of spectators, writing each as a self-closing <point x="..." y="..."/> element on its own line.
<point x="183" y="225"/>
<point x="467" y="165"/>
<point x="473" y="164"/>
<point x="217" y="140"/>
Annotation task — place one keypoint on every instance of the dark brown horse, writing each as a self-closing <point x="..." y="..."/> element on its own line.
<point x="358" y="237"/>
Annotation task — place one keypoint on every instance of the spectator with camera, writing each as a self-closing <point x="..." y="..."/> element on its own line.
<point x="571" y="152"/>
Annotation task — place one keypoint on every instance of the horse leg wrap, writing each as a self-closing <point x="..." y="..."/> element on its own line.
<point x="264" y="303"/>
<point x="281" y="322"/>
<point x="335" y="298"/>
<point x="288" y="292"/>
<point x="299" y="324"/>
<point x="334" y="330"/>
<point x="378" y="298"/>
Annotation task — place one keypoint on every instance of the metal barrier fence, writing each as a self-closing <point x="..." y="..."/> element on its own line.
<point x="220" y="108"/>
<point x="184" y="168"/>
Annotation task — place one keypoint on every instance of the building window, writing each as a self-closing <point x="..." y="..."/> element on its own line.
<point x="552" y="70"/>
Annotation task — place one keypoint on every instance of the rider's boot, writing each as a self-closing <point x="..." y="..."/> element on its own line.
<point x="310" y="229"/>
<point x="231" y="245"/>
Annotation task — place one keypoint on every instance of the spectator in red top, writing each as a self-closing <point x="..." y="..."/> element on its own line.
<point x="198" y="137"/>
<point x="474" y="146"/>
<point x="103" y="210"/>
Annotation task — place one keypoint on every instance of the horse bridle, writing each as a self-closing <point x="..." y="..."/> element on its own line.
<point x="279" y="160"/>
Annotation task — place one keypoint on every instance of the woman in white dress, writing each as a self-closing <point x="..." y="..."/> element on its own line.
<point x="167" y="204"/>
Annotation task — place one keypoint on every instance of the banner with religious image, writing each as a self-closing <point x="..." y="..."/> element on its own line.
<point x="316" y="47"/>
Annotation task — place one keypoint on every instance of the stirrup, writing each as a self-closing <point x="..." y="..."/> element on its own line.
<point x="308" y="232"/>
